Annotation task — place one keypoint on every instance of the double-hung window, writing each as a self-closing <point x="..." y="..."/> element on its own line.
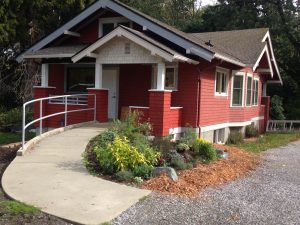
<point x="108" y="24"/>
<point x="238" y="89"/>
<point x="221" y="82"/>
<point x="249" y="90"/>
<point x="255" y="92"/>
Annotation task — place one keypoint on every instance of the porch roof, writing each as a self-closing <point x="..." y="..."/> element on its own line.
<point x="55" y="52"/>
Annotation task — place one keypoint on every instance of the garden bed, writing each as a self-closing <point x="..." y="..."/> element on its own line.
<point x="192" y="181"/>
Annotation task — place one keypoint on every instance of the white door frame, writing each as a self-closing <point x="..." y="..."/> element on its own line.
<point x="114" y="67"/>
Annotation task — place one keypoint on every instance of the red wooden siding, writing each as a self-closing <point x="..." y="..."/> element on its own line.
<point x="186" y="96"/>
<point x="134" y="83"/>
<point x="57" y="77"/>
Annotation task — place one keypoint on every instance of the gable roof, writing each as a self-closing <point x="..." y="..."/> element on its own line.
<point x="156" y="48"/>
<point x="240" y="47"/>
<point x="153" y="25"/>
<point x="243" y="45"/>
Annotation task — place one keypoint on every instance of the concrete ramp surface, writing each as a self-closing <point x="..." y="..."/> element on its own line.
<point x="53" y="178"/>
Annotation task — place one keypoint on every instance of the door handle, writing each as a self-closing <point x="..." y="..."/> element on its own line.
<point x="113" y="96"/>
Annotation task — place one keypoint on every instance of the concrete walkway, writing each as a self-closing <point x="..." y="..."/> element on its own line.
<point x="53" y="178"/>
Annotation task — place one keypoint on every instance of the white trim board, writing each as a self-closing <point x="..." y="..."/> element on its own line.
<point x="121" y="31"/>
<point x="230" y="124"/>
<point x="132" y="15"/>
<point x="178" y="130"/>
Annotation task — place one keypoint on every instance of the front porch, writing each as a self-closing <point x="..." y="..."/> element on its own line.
<point x="117" y="89"/>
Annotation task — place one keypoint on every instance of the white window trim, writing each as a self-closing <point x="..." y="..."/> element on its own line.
<point x="114" y="20"/>
<point x="226" y="71"/>
<point x="175" y="66"/>
<point x="238" y="73"/>
<point x="256" y="79"/>
<point x="249" y="75"/>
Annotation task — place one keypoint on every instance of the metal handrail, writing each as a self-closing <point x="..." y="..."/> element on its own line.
<point x="41" y="118"/>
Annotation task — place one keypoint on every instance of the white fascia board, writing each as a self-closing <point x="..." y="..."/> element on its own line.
<point x="152" y="26"/>
<point x="118" y="32"/>
<point x="185" y="59"/>
<point x="265" y="50"/>
<point x="219" y="56"/>
<point x="163" y="32"/>
<point x="268" y="38"/>
<point x="67" y="26"/>
<point x="47" y="56"/>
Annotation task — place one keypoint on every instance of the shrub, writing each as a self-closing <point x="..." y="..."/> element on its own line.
<point x="189" y="137"/>
<point x="205" y="150"/>
<point x="138" y="180"/>
<point x="124" y="175"/>
<point x="163" y="145"/>
<point x="143" y="171"/>
<point x="182" y="147"/>
<point x="177" y="162"/>
<point x="276" y="108"/>
<point x="235" y="137"/>
<point x="251" y="131"/>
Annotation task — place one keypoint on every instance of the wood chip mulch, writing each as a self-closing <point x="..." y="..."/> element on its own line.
<point x="192" y="182"/>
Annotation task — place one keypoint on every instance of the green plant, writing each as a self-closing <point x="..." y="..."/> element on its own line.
<point x="276" y="108"/>
<point x="251" y="131"/>
<point x="205" y="150"/>
<point x="124" y="175"/>
<point x="144" y="171"/>
<point x="18" y="208"/>
<point x="182" y="147"/>
<point x="188" y="138"/>
<point x="163" y="145"/>
<point x="177" y="162"/>
<point x="138" y="180"/>
<point x="235" y="137"/>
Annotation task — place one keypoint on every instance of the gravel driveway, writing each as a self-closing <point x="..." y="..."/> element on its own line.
<point x="269" y="195"/>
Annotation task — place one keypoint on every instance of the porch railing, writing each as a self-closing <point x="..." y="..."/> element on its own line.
<point x="72" y="100"/>
<point x="283" y="125"/>
<point x="63" y="99"/>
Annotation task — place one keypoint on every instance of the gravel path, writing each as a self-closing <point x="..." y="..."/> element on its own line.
<point x="269" y="195"/>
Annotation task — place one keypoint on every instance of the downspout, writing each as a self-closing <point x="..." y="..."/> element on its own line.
<point x="198" y="102"/>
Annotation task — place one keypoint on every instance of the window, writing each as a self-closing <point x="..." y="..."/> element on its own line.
<point x="171" y="77"/>
<point x="78" y="79"/>
<point x="221" y="82"/>
<point x="255" y="92"/>
<point x="107" y="28"/>
<point x="106" y="25"/>
<point x="170" y="80"/>
<point x="219" y="136"/>
<point x="249" y="90"/>
<point x="127" y="48"/>
<point x="237" y="89"/>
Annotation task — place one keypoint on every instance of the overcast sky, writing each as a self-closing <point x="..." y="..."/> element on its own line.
<point x="207" y="2"/>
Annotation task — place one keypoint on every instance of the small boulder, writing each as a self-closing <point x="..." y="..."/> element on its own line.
<point x="222" y="154"/>
<point x="168" y="170"/>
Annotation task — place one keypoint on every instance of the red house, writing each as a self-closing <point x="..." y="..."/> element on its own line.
<point x="214" y="82"/>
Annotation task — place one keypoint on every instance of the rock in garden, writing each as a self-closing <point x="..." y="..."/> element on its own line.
<point x="222" y="154"/>
<point x="168" y="170"/>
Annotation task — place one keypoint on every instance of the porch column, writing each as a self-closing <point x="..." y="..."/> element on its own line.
<point x="160" y="111"/>
<point x="161" y="74"/>
<point x="45" y="75"/>
<point x="98" y="75"/>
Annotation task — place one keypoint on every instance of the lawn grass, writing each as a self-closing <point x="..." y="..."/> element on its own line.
<point x="269" y="140"/>
<point x="17" y="208"/>
<point x="9" y="137"/>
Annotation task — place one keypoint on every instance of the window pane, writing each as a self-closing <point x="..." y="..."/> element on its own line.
<point x="170" y="78"/>
<point x="238" y="82"/>
<point x="237" y="95"/>
<point x="79" y="79"/>
<point x="106" y="28"/>
<point x="249" y="91"/>
<point x="224" y="83"/>
<point x="218" y="90"/>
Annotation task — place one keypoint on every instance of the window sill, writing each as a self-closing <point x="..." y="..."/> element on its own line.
<point x="221" y="95"/>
